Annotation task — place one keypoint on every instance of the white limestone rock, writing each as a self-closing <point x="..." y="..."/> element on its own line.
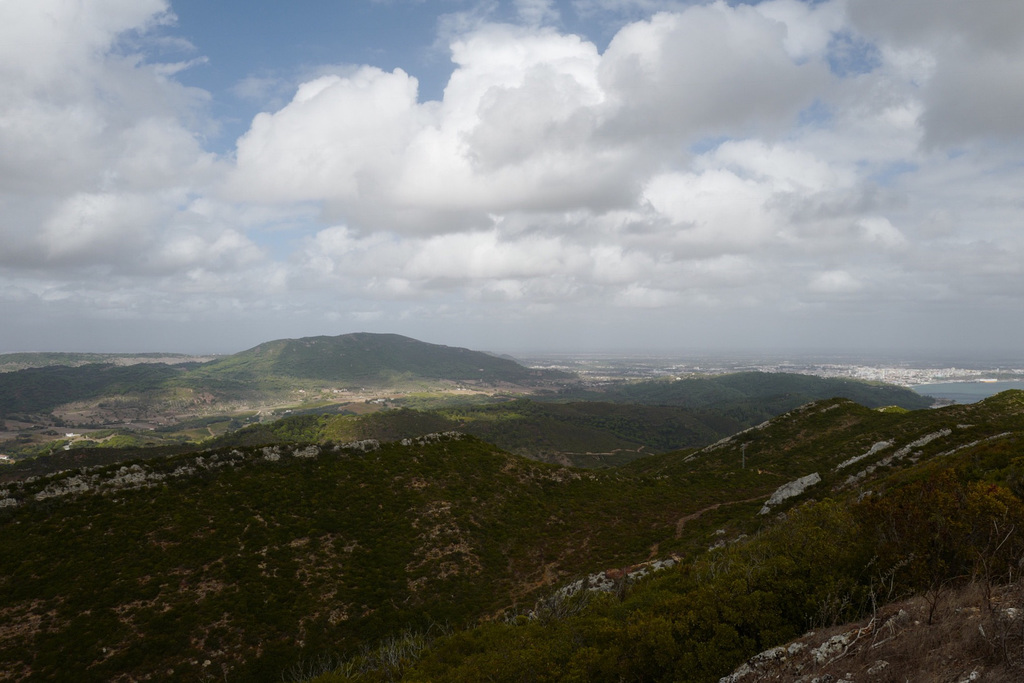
<point x="793" y="488"/>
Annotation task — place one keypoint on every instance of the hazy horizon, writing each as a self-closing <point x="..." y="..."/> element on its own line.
<point x="738" y="355"/>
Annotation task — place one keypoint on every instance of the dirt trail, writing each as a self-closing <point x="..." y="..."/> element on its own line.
<point x="695" y="515"/>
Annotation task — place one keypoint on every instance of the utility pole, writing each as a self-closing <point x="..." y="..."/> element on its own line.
<point x="744" y="456"/>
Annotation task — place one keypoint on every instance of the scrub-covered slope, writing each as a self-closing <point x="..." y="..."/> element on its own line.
<point x="365" y="359"/>
<point x="256" y="559"/>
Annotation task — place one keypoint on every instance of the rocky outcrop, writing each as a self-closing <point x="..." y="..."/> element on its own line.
<point x="430" y="438"/>
<point x="880" y="446"/>
<point x="976" y="635"/>
<point x="609" y="580"/>
<point x="903" y="452"/>
<point x="793" y="488"/>
<point x="108" y="479"/>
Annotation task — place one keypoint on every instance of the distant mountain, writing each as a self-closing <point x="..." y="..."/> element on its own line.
<point x="11" y="362"/>
<point x="371" y="360"/>
<point x="361" y="360"/>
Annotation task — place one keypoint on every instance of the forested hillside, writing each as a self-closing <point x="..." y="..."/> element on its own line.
<point x="749" y="395"/>
<point x="370" y="360"/>
<point x="40" y="390"/>
<point x="253" y="563"/>
<point x="919" y="534"/>
<point x="352" y="361"/>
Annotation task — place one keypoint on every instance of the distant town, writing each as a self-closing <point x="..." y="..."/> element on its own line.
<point x="599" y="367"/>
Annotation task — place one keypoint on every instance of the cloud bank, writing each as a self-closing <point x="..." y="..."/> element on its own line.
<point x="839" y="172"/>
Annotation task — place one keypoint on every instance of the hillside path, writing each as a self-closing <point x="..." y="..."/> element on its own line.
<point x="696" y="515"/>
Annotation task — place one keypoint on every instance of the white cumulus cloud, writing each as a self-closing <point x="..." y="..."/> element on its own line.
<point x="688" y="159"/>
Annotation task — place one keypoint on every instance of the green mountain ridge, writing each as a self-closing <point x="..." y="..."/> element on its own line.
<point x="380" y="361"/>
<point x="11" y="362"/>
<point x="169" y="406"/>
<point x="596" y="433"/>
<point x="588" y="433"/>
<point x="258" y="558"/>
<point x="353" y="361"/>
<point x="376" y="359"/>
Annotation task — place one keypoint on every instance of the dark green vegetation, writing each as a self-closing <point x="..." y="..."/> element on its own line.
<point x="826" y="563"/>
<point x="357" y="361"/>
<point x="261" y="561"/>
<point x="752" y="397"/>
<point x="945" y="512"/>
<point x="11" y="362"/>
<point x="626" y="421"/>
<point x="40" y="390"/>
<point x="169" y="406"/>
<point x="265" y="560"/>
<point x="370" y="360"/>
<point x="351" y="361"/>
<point x="582" y="434"/>
<point x="586" y="433"/>
<point x="647" y="417"/>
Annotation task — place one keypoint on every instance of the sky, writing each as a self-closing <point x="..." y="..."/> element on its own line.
<point x="513" y="175"/>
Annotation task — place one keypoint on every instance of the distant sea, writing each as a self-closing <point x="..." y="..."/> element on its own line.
<point x="966" y="392"/>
